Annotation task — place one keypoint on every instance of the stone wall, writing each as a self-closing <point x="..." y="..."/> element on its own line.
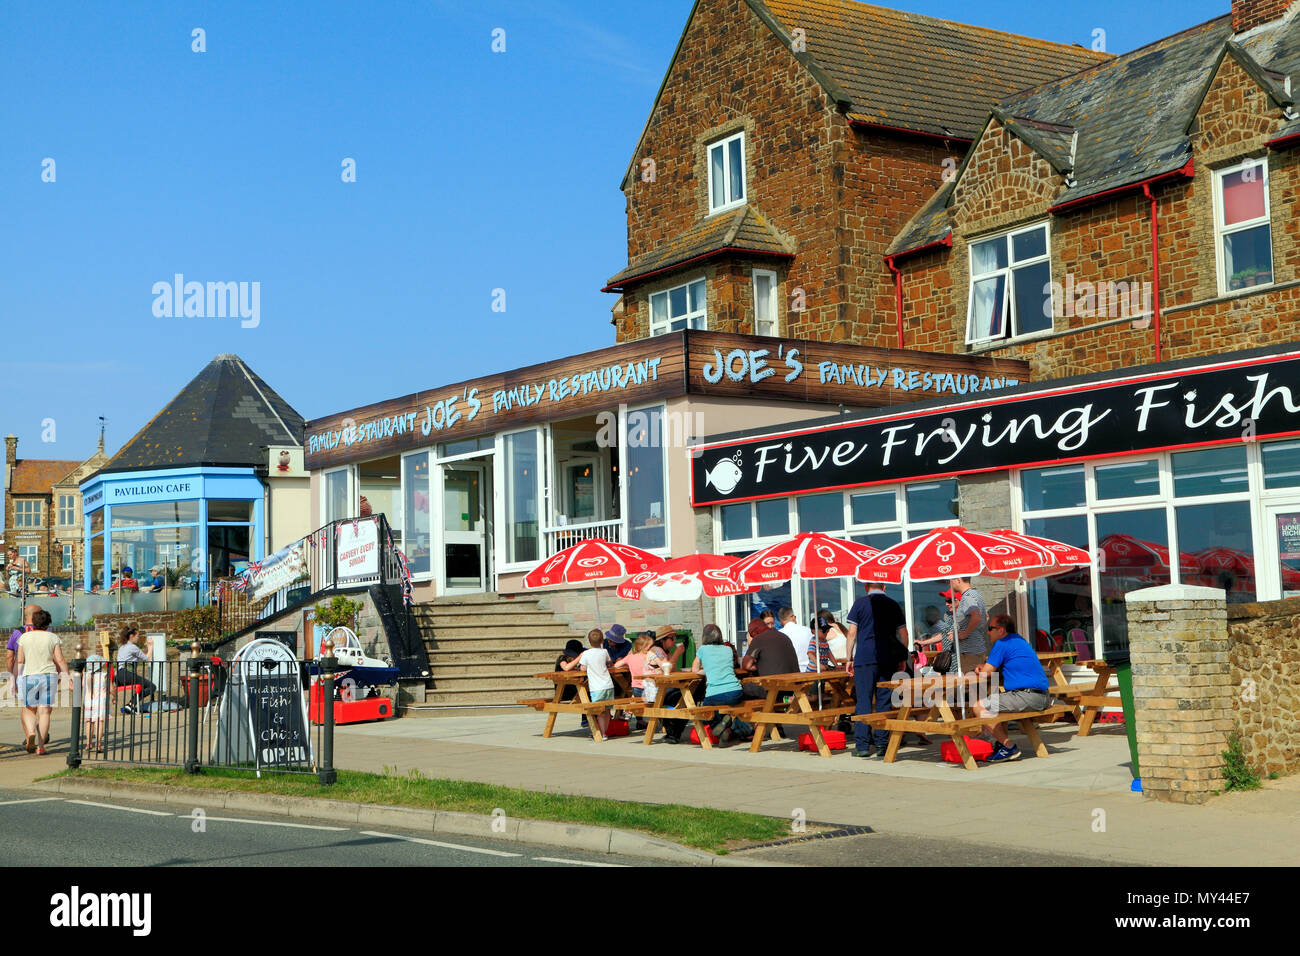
<point x="1182" y="689"/>
<point x="1265" y="676"/>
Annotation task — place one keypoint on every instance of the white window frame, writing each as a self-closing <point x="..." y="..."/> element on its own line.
<point x="730" y="202"/>
<point x="71" y="509"/>
<point x="67" y="558"/>
<point x="698" y="319"/>
<point x="28" y="513"/>
<point x="353" y="504"/>
<point x="1222" y="231"/>
<point x="624" y="416"/>
<point x="774" y="299"/>
<point x="32" y="558"/>
<point x="1009" y="334"/>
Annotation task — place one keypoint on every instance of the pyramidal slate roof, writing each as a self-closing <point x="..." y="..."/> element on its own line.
<point x="224" y="416"/>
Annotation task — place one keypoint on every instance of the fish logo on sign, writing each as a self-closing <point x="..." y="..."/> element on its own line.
<point x="725" y="475"/>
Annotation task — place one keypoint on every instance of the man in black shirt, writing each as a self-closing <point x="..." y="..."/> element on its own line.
<point x="891" y="651"/>
<point x="769" y="652"/>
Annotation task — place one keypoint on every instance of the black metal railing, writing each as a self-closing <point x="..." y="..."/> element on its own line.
<point x="260" y="716"/>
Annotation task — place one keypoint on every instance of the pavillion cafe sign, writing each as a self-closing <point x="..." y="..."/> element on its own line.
<point x="1240" y="401"/>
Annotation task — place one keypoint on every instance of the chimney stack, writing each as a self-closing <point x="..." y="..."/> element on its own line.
<point x="1248" y="14"/>
<point x="11" y="450"/>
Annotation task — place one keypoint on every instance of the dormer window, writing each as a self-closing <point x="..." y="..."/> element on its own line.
<point x="727" y="173"/>
<point x="1010" y="286"/>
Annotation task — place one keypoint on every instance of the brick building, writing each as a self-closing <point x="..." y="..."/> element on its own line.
<point x="1129" y="231"/>
<point x="788" y="144"/>
<point x="43" y="509"/>
<point x="1155" y="194"/>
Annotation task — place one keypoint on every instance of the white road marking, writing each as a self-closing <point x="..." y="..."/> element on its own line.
<point x="5" y="803"/>
<point x="557" y="859"/>
<point x="271" y="823"/>
<point x="449" y="846"/>
<point x="112" y="806"/>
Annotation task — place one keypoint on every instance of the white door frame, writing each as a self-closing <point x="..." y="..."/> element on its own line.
<point x="482" y="537"/>
<point x="1268" y="579"/>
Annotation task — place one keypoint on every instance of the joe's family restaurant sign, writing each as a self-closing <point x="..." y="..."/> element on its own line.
<point x="665" y="366"/>
<point x="1205" y="404"/>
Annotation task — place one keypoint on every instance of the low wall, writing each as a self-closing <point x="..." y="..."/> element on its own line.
<point x="1265" y="666"/>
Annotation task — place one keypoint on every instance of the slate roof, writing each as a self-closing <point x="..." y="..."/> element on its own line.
<point x="1131" y="114"/>
<point x="744" y="230"/>
<point x="36" y="476"/>
<point x="224" y="416"/>
<point x="921" y="73"/>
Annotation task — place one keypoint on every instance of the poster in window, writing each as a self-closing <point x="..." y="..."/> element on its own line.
<point x="1288" y="539"/>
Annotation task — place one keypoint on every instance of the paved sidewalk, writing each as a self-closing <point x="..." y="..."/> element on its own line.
<point x="1075" y="802"/>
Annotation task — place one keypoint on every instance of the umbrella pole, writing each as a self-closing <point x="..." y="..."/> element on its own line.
<point x="596" y="593"/>
<point x="817" y="650"/>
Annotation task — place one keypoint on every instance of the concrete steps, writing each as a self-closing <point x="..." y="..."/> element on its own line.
<point x="484" y="650"/>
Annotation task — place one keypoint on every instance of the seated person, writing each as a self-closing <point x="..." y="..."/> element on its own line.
<point x="799" y="636"/>
<point x="769" y="652"/>
<point x="1022" y="676"/>
<point x="616" y="643"/>
<point x="125" y="581"/>
<point x="156" y="580"/>
<point x="715" y="662"/>
<point x="571" y="651"/>
<point x="824" y="643"/>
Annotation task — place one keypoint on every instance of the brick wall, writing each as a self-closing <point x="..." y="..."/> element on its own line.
<point x="1183" y="700"/>
<point x="1265" y="677"/>
<point x="1006" y="184"/>
<point x="838" y="193"/>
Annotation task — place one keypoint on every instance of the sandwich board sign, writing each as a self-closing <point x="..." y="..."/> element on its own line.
<point x="263" y="716"/>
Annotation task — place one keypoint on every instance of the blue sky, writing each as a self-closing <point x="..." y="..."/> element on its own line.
<point x="475" y="171"/>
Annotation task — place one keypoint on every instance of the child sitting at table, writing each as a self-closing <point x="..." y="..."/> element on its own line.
<point x="594" y="662"/>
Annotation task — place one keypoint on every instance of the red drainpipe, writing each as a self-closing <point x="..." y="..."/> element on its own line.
<point x="898" y="295"/>
<point x="1155" y="266"/>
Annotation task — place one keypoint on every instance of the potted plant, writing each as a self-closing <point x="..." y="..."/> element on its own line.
<point x="1249" y="276"/>
<point x="339" y="612"/>
<point x="1237" y="280"/>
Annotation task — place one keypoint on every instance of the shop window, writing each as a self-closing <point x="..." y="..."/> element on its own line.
<point x="1010" y="286"/>
<point x="1134" y="554"/>
<point x="417" y="528"/>
<point x="1281" y="464"/>
<point x="773" y="517"/>
<point x="1245" y="244"/>
<point x="466" y="446"/>
<point x="1131" y="479"/>
<point x="727" y="173"/>
<point x="1047" y="489"/>
<point x="521" y="495"/>
<point x="155" y="513"/>
<point x="931" y="502"/>
<point x="877" y="507"/>
<point x="228" y="512"/>
<point x="1060" y="606"/>
<point x="97" y="522"/>
<point x="1218" y="548"/>
<point x="338" y="503"/>
<point x="1210" y="471"/>
<point x="737" y="522"/>
<point x="67" y="510"/>
<point x="821" y="512"/>
<point x="27" y="514"/>
<point x="765" y="304"/>
<point x="682" y="307"/>
<point x="646" y="494"/>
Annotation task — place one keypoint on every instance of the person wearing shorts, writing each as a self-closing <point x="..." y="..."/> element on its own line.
<point x="1022" y="676"/>
<point x="40" y="657"/>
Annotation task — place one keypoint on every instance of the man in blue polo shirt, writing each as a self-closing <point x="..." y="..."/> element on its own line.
<point x="1022" y="676"/>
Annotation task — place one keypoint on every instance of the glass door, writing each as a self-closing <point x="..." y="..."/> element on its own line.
<point x="464" y="529"/>
<point x="1281" y="551"/>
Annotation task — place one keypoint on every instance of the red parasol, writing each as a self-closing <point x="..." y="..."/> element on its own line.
<point x="590" y="561"/>
<point x="952" y="552"/>
<point x="687" y="578"/>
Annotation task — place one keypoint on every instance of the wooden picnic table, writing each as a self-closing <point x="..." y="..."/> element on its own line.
<point x="799" y="711"/>
<point x="556" y="705"/>
<point x="685" y="709"/>
<point x="931" y="696"/>
<point x="1092" y="699"/>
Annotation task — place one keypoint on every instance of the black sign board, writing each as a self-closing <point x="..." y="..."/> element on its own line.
<point x="288" y="638"/>
<point x="276" y="716"/>
<point x="1239" y="401"/>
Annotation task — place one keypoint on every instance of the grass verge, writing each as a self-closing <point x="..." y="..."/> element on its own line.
<point x="701" y="827"/>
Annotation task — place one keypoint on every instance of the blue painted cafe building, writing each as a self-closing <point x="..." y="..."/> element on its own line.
<point x="192" y="489"/>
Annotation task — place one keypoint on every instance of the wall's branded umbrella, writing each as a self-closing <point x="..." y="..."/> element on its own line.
<point x="688" y="578"/>
<point x="590" y="561"/>
<point x="809" y="555"/>
<point x="1058" y="557"/>
<point x="951" y="552"/>
<point x="1123" y="551"/>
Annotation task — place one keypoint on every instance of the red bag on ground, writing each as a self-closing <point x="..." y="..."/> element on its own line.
<point x="979" y="748"/>
<point x="835" y="740"/>
<point x="713" y="738"/>
<point x="617" y="728"/>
